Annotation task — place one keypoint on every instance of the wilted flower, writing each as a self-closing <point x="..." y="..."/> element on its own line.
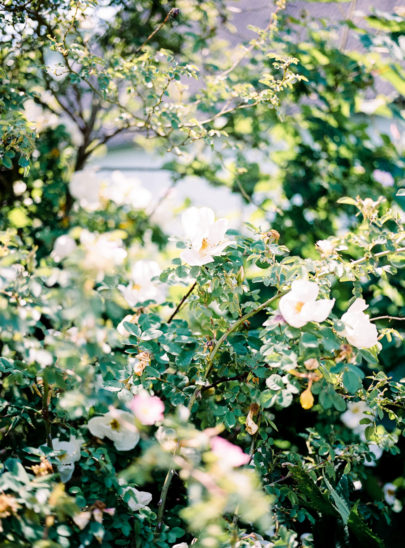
<point x="43" y="468"/>
<point x="147" y="409"/>
<point x="96" y="512"/>
<point x="118" y="426"/>
<point x="69" y="454"/>
<point x="8" y="505"/>
<point x="84" y="186"/>
<point x="228" y="454"/>
<point x="138" y="499"/>
<point x="142" y="287"/>
<point x="124" y="190"/>
<point x="63" y="247"/>
<point x="356" y="411"/>
<point x="205" y="234"/>
<point x="359" y="331"/>
<point x="103" y="251"/>
<point x="299" y="306"/>
<point x="140" y="362"/>
<point x="251" y="426"/>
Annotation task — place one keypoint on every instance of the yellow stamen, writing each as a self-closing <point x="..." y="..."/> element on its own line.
<point x="204" y="245"/>
<point x="298" y="307"/>
<point x="115" y="425"/>
<point x="136" y="287"/>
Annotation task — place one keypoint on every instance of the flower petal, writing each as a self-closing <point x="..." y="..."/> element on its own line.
<point x="193" y="258"/>
<point x="305" y="291"/>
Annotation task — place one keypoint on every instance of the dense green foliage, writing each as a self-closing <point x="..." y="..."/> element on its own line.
<point x="214" y="398"/>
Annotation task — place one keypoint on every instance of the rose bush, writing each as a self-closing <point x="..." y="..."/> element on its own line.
<point x="240" y="387"/>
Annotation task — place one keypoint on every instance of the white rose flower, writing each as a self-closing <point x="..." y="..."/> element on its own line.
<point x="40" y="356"/>
<point x="205" y="234"/>
<point x="19" y="187"/>
<point x="359" y="331"/>
<point x="118" y="426"/>
<point x="376" y="450"/>
<point x="138" y="500"/>
<point x="389" y="491"/>
<point x="326" y="247"/>
<point x="356" y="411"/>
<point x="103" y="251"/>
<point x="299" y="306"/>
<point x="125" y="191"/>
<point x="383" y="177"/>
<point x="63" y="247"/>
<point x="69" y="454"/>
<point x="142" y="287"/>
<point x="39" y="117"/>
<point x="85" y="186"/>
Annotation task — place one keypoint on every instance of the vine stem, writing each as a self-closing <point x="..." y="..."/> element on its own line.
<point x="210" y="361"/>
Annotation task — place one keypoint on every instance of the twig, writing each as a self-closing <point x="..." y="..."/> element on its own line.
<point x="45" y="412"/>
<point x="172" y="13"/>
<point x="389" y="318"/>
<point x="225" y="379"/>
<point x="185" y="297"/>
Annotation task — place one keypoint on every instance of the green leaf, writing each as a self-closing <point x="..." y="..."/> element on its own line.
<point x="309" y="341"/>
<point x="340" y="503"/>
<point x="310" y="494"/>
<point x="229" y="419"/>
<point x="347" y="200"/>
<point x="361" y="531"/>
<point x="132" y="328"/>
<point x="351" y="381"/>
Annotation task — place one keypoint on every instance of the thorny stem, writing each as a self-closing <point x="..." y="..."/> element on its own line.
<point x="185" y="297"/>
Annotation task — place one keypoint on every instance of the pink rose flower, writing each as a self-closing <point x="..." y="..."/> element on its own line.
<point x="147" y="409"/>
<point x="228" y="454"/>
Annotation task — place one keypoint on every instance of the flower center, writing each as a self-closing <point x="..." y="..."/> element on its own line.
<point x="136" y="287"/>
<point x="298" y="306"/>
<point x="115" y="425"/>
<point x="62" y="457"/>
<point x="204" y="245"/>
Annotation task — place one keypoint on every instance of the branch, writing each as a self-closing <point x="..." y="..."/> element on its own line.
<point x="389" y="318"/>
<point x="172" y="13"/>
<point x="185" y="297"/>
